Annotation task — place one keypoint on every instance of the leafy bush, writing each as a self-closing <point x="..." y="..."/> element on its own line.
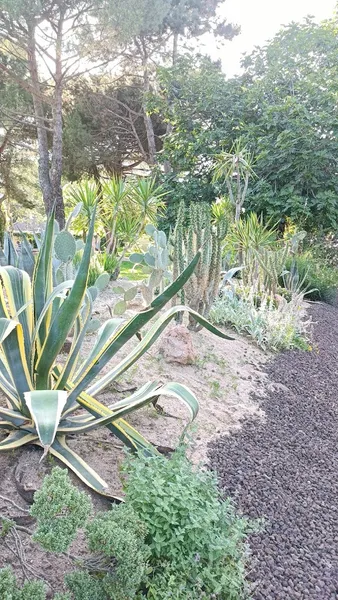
<point x="120" y="534"/>
<point x="117" y="560"/>
<point x="275" y="326"/>
<point x="197" y="542"/>
<point x="31" y="590"/>
<point x="84" y="586"/>
<point x="318" y="276"/>
<point x="60" y="509"/>
<point x="173" y="538"/>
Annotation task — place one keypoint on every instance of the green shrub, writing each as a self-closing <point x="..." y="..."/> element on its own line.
<point x="118" y="558"/>
<point x="60" y="509"/>
<point x="317" y="276"/>
<point x="197" y="542"/>
<point x="7" y="584"/>
<point x="31" y="590"/>
<point x="275" y="327"/>
<point x="118" y="535"/>
<point x="173" y="538"/>
<point x="84" y="587"/>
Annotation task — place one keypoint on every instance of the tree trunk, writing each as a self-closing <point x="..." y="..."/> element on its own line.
<point x="239" y="195"/>
<point x="56" y="168"/>
<point x="167" y="166"/>
<point x="44" y="177"/>
<point x="147" y="119"/>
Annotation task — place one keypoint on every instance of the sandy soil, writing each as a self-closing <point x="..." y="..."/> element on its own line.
<point x="222" y="377"/>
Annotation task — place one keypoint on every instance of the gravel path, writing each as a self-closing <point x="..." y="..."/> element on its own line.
<point x="286" y="470"/>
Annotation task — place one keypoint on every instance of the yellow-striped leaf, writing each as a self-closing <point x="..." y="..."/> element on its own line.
<point x="16" y="439"/>
<point x="17" y="285"/>
<point x="147" y="341"/>
<point x="65" y="317"/>
<point x="45" y="407"/>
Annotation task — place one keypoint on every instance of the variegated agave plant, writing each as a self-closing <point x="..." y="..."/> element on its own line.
<point x="42" y="396"/>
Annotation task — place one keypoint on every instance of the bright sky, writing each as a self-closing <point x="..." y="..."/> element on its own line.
<point x="260" y="20"/>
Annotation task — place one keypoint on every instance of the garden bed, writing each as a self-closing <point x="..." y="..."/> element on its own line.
<point x="223" y="377"/>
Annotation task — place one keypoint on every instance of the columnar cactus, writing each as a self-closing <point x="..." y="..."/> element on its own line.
<point x="199" y="232"/>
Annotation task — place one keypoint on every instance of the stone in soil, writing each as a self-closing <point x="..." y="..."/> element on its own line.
<point x="176" y="345"/>
<point x="285" y="469"/>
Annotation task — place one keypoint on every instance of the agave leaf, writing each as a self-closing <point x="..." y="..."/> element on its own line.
<point x="6" y="327"/>
<point x="3" y="259"/>
<point x="81" y="326"/>
<point x="61" y="450"/>
<point x="16" y="439"/>
<point x="142" y="397"/>
<point x="10" y="252"/>
<point x="104" y="334"/>
<point x="7" y="387"/>
<point x="133" y="326"/>
<point x="14" y="417"/>
<point x="13" y="350"/>
<point x="132" y="438"/>
<point x="65" y="317"/>
<point x="147" y="341"/>
<point x="119" y="427"/>
<point x="42" y="277"/>
<point x="45" y="407"/>
<point x="27" y="261"/>
<point x="17" y="285"/>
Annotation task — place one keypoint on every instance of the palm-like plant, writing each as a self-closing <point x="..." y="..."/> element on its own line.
<point x="115" y="203"/>
<point x="43" y="397"/>
<point x="235" y="168"/>
<point x="85" y="194"/>
<point x="126" y="207"/>
<point x="148" y="196"/>
<point x="249" y="237"/>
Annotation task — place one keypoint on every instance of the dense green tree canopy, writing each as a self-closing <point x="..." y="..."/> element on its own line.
<point x="283" y="106"/>
<point x="292" y="84"/>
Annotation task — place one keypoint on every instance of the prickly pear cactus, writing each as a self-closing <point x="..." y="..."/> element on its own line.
<point x="155" y="261"/>
<point x="102" y="281"/>
<point x="64" y="246"/>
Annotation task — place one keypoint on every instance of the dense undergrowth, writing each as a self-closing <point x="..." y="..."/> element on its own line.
<point x="173" y="538"/>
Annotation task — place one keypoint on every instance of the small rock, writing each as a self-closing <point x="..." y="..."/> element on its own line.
<point x="176" y="346"/>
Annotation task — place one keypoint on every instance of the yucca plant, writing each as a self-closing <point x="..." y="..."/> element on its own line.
<point x="42" y="395"/>
<point x="248" y="237"/>
<point x="85" y="194"/>
<point x="235" y="168"/>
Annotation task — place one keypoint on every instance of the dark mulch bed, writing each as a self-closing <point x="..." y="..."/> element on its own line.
<point x="286" y="470"/>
